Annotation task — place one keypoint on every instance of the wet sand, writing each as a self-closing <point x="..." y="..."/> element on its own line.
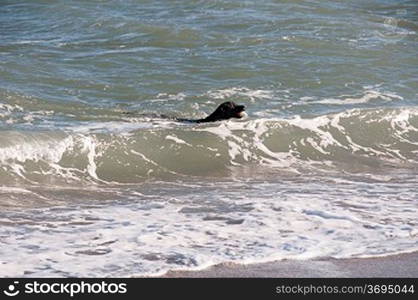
<point x="402" y="265"/>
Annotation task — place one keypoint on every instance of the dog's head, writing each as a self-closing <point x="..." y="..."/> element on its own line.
<point x="228" y="110"/>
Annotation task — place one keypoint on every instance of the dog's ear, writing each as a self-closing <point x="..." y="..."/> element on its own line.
<point x="226" y="106"/>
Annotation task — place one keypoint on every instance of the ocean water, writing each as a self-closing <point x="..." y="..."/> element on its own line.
<point x="94" y="183"/>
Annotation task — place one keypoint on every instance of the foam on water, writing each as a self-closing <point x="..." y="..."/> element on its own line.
<point x="96" y="149"/>
<point x="288" y="199"/>
<point x="368" y="95"/>
<point x="271" y="221"/>
<point x="241" y="92"/>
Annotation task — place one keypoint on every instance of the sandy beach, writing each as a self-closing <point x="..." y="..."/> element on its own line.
<point x="402" y="265"/>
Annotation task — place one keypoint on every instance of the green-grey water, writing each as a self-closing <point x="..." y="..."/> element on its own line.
<point x="93" y="182"/>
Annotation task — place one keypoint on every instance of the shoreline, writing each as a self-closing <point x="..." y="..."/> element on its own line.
<point x="398" y="265"/>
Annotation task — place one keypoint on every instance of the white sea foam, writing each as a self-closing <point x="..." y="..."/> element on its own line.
<point x="25" y="147"/>
<point x="113" y="127"/>
<point x="178" y="97"/>
<point x="272" y="221"/>
<point x="244" y="92"/>
<point x="14" y="190"/>
<point x="7" y="111"/>
<point x="368" y="95"/>
<point x="177" y="140"/>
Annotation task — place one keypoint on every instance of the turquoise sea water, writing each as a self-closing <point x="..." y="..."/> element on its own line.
<point x="94" y="183"/>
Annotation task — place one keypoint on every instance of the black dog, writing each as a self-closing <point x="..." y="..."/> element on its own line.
<point x="225" y="111"/>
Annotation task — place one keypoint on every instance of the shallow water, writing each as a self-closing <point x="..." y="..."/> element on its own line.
<point x="94" y="183"/>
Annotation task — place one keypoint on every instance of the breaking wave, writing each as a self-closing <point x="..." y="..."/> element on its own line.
<point x="128" y="152"/>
